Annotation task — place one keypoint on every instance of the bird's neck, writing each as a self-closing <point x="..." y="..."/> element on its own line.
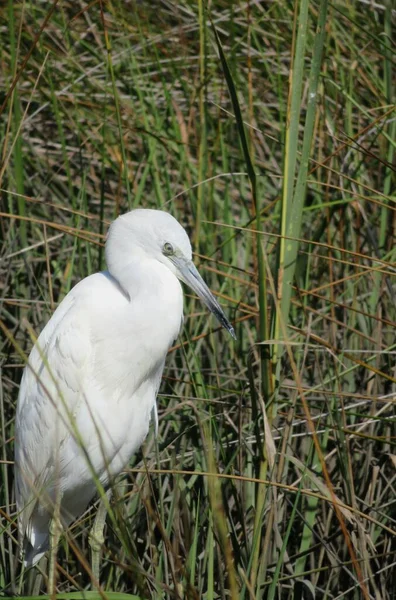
<point x="155" y="306"/>
<point x="146" y="279"/>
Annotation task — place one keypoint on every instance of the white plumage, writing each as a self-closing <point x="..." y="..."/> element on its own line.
<point x="92" y="378"/>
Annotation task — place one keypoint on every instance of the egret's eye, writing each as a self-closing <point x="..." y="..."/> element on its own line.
<point x="168" y="249"/>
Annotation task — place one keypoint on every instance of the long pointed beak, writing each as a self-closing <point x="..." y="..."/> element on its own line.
<point x="189" y="274"/>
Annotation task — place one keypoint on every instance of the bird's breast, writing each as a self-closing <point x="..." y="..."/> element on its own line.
<point x="135" y="335"/>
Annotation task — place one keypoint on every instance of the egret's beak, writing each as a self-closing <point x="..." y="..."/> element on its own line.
<point x="189" y="275"/>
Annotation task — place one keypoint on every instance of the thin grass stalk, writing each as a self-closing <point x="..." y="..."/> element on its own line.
<point x="102" y="193"/>
<point x="290" y="161"/>
<point x="297" y="207"/>
<point x="219" y="515"/>
<point x="162" y="568"/>
<point x="275" y="580"/>
<point x="62" y="137"/>
<point x="117" y="106"/>
<point x="386" y="215"/>
<point x="210" y="594"/>
<point x="202" y="157"/>
<point x="192" y="555"/>
<point x="294" y="217"/>
<point x="7" y="490"/>
<point x="265" y="364"/>
<point x="85" y="595"/>
<point x="310" y="514"/>
<point x="17" y="114"/>
<point x="266" y="381"/>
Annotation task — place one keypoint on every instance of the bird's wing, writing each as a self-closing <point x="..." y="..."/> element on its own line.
<point x="92" y="377"/>
<point x="49" y="397"/>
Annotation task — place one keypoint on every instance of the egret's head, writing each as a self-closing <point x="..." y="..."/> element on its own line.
<point x="155" y="234"/>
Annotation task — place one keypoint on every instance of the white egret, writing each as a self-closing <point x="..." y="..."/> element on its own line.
<point x="92" y="378"/>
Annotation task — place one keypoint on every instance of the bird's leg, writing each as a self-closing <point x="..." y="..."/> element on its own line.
<point x="54" y="535"/>
<point x="38" y="579"/>
<point x="96" y="537"/>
